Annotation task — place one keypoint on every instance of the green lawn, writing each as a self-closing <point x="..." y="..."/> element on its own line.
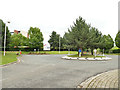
<point x="85" y="55"/>
<point x="8" y="58"/>
<point x="11" y="55"/>
<point x="50" y="52"/>
<point x="112" y="53"/>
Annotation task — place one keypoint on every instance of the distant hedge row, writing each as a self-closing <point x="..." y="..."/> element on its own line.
<point x="30" y="49"/>
<point x="116" y="51"/>
<point x="22" y="49"/>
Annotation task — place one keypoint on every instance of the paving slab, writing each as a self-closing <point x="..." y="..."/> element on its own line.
<point x="104" y="80"/>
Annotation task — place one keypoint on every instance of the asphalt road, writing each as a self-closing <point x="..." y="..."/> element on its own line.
<point x="50" y="71"/>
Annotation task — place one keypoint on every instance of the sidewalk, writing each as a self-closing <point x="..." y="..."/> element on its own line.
<point x="104" y="80"/>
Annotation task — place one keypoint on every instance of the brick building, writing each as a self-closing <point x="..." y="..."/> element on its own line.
<point x="22" y="32"/>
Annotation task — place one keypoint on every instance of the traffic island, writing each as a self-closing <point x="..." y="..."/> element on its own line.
<point x="87" y="59"/>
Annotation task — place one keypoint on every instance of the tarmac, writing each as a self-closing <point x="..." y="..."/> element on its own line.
<point x="50" y="71"/>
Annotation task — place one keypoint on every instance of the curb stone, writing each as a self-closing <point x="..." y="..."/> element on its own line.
<point x="107" y="79"/>
<point x="86" y="59"/>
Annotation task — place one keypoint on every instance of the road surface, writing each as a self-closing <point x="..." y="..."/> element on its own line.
<point x="50" y="71"/>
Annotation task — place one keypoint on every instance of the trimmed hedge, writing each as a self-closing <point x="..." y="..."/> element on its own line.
<point x="116" y="51"/>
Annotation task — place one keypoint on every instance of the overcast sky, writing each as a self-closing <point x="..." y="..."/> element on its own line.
<point x="58" y="15"/>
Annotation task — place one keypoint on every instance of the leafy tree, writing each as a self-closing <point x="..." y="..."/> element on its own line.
<point x="117" y="39"/>
<point x="66" y="42"/>
<point x="54" y="40"/>
<point x="24" y="41"/>
<point x="35" y="38"/>
<point x="94" y="39"/>
<point x="106" y="42"/>
<point x="2" y="28"/>
<point x="79" y="34"/>
<point x="18" y="40"/>
<point x="0" y="34"/>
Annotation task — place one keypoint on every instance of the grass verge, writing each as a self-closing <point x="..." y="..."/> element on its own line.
<point x="50" y="52"/>
<point x="112" y="53"/>
<point x="8" y="58"/>
<point x="12" y="57"/>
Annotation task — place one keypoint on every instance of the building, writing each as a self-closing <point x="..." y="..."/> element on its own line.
<point x="16" y="31"/>
<point x="46" y="47"/>
<point x="24" y="33"/>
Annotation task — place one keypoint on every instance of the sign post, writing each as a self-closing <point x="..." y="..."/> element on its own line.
<point x="79" y="52"/>
<point x="35" y="50"/>
<point x="69" y="51"/>
<point x="95" y="52"/>
<point x="38" y="51"/>
<point x="103" y="52"/>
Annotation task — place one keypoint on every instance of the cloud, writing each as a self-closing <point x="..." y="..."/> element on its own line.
<point x="58" y="15"/>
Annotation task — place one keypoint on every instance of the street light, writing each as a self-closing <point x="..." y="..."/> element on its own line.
<point x="69" y="51"/>
<point x="5" y="37"/>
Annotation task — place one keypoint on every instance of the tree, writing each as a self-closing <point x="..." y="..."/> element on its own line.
<point x="54" y="40"/>
<point x="35" y="38"/>
<point x="106" y="42"/>
<point x="18" y="40"/>
<point x="62" y="43"/>
<point x="79" y="34"/>
<point x="0" y="34"/>
<point x="8" y="34"/>
<point x="94" y="39"/>
<point x="66" y="43"/>
<point x="117" y="39"/>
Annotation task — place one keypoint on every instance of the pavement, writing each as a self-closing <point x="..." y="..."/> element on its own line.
<point x="50" y="71"/>
<point x="104" y="80"/>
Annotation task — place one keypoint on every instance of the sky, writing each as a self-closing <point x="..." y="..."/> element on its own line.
<point x="119" y="16"/>
<point x="59" y="15"/>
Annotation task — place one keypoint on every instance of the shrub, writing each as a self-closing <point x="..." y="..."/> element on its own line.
<point x="116" y="51"/>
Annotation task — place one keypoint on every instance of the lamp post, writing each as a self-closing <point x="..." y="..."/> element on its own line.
<point x="5" y="38"/>
<point x="69" y="51"/>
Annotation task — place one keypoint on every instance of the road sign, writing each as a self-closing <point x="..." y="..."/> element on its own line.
<point x="46" y="47"/>
<point x="79" y="50"/>
<point x="95" y="52"/>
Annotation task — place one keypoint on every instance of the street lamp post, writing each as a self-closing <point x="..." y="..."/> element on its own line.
<point x="69" y="51"/>
<point x="5" y="38"/>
